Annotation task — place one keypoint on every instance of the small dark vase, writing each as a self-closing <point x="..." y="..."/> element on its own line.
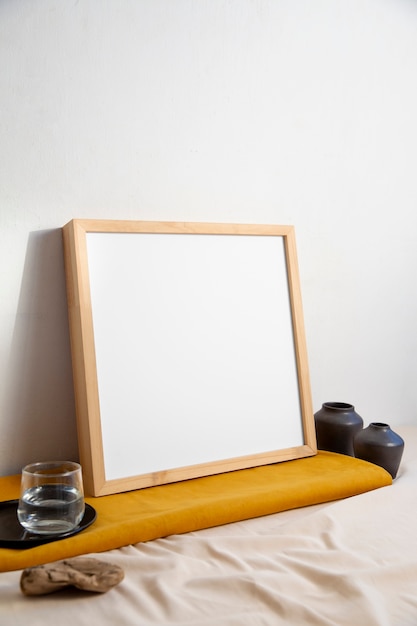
<point x="380" y="445"/>
<point x="336" y="425"/>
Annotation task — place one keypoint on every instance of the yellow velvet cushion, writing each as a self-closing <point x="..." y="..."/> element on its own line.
<point x="146" y="514"/>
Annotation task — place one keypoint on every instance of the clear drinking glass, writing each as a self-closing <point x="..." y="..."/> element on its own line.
<point x="51" y="497"/>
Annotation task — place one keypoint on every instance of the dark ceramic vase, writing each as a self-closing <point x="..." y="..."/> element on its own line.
<point x="380" y="445"/>
<point x="336" y="426"/>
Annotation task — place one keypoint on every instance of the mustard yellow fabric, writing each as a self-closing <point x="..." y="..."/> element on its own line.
<point x="146" y="514"/>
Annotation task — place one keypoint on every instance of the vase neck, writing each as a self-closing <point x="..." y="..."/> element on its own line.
<point x="338" y="406"/>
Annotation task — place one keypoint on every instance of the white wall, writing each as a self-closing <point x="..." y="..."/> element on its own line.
<point x="275" y="111"/>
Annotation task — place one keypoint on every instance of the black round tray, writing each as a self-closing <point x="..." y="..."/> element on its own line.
<point x="13" y="535"/>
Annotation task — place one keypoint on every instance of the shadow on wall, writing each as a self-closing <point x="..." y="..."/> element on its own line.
<point x="40" y="422"/>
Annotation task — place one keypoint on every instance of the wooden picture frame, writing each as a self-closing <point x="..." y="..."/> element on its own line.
<point x="188" y="349"/>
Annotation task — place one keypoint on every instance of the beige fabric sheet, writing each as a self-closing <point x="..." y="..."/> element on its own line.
<point x="351" y="562"/>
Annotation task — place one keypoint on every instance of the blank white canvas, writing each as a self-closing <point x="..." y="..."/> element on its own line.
<point x="194" y="349"/>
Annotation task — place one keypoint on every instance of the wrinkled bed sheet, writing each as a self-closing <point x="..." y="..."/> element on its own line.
<point x="348" y="562"/>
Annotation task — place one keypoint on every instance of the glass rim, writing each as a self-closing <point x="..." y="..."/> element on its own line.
<point x="52" y="468"/>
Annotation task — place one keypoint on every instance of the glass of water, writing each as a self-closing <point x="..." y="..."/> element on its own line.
<point x="51" y="497"/>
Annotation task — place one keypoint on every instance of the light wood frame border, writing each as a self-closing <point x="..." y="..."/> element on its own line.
<point x="84" y="363"/>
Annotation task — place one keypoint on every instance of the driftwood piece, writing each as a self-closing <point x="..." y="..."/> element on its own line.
<point x="83" y="573"/>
